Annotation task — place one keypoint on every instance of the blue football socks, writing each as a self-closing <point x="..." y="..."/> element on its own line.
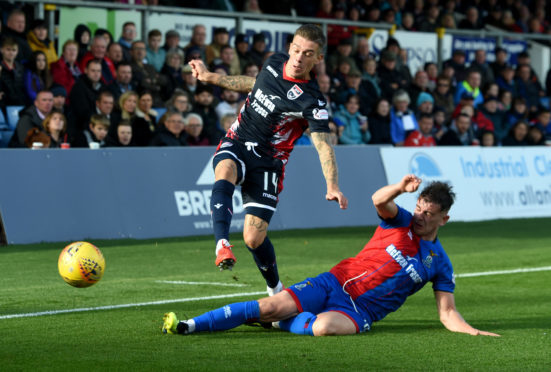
<point x="221" y="207"/>
<point x="300" y="324"/>
<point x="227" y="317"/>
<point x="265" y="258"/>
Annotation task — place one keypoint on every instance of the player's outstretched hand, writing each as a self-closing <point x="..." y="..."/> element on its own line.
<point x="338" y="197"/>
<point x="198" y="69"/>
<point x="484" y="333"/>
<point x="410" y="183"/>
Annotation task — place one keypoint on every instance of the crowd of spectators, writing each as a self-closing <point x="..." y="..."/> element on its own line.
<point x="118" y="90"/>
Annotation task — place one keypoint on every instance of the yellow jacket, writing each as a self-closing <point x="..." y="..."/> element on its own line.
<point x="48" y="49"/>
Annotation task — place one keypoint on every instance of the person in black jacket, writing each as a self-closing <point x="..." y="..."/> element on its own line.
<point x="15" y="29"/>
<point x="172" y="132"/>
<point x="83" y="96"/>
<point x="31" y="117"/>
<point x="379" y="123"/>
<point x="12" y="87"/>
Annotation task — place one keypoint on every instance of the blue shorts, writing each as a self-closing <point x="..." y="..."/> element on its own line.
<point x="324" y="293"/>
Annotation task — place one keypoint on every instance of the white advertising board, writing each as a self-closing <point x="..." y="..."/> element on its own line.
<point x="490" y="183"/>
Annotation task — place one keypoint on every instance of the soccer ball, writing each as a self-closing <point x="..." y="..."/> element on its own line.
<point x="81" y="264"/>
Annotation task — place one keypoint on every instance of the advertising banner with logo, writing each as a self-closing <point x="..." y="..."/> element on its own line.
<point x="471" y="44"/>
<point x="76" y="194"/>
<point x="490" y="183"/>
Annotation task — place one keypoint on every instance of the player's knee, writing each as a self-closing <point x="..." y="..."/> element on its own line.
<point x="330" y="327"/>
<point x="252" y="239"/>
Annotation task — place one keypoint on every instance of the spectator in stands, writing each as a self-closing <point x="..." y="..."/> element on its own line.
<point x="193" y="126"/>
<point x="424" y="104"/>
<point x="542" y="121"/>
<point x="105" y="104"/>
<point x="65" y="70"/>
<point x="355" y="127"/>
<point x="37" y="76"/>
<point x="535" y="136"/>
<point x="251" y="69"/>
<point x="105" y="34"/>
<point x="362" y="53"/>
<point x="84" y="94"/>
<point x="460" y="133"/>
<point x="171" y="133"/>
<point x="204" y="107"/>
<point x="420" y="84"/>
<point x="470" y="85"/>
<point x="402" y="68"/>
<point x="123" y="136"/>
<point x="402" y="120"/>
<point x="229" y="103"/>
<point x="172" y="70"/>
<point x="505" y="100"/>
<point x="523" y="58"/>
<point x="487" y="138"/>
<point x="481" y="65"/>
<point x="336" y="33"/>
<point x="180" y="102"/>
<point x="128" y="35"/>
<point x="365" y="90"/>
<point x="145" y="119"/>
<point x="518" y="111"/>
<point x="443" y="97"/>
<point x="379" y="123"/>
<point x="341" y="53"/>
<point x="501" y="61"/>
<point x="432" y="74"/>
<point x="190" y="82"/>
<point x="242" y="50"/>
<point x="60" y="99"/>
<point x="408" y="22"/>
<point x="423" y="136"/>
<point x="198" y="40"/>
<point x="32" y="117"/>
<point x="97" y="51"/>
<point x="12" y="82"/>
<point x="506" y="80"/>
<point x="472" y="20"/>
<point x="123" y="82"/>
<point x="457" y="62"/>
<point x="517" y="135"/>
<point x="528" y="88"/>
<point x="258" y="49"/>
<point x="494" y="15"/>
<point x="98" y="126"/>
<point x="82" y="37"/>
<point x="114" y="53"/>
<point x="228" y="61"/>
<point x="38" y="40"/>
<point x="15" y="30"/>
<point x="390" y="79"/>
<point x="127" y="103"/>
<point x="156" y="55"/>
<point x="429" y="22"/>
<point x="55" y="125"/>
<point x="447" y="21"/>
<point x="220" y="37"/>
<point x="479" y="121"/>
<point x="146" y="76"/>
<point x="226" y="122"/>
<point x="497" y="116"/>
<point x="369" y="73"/>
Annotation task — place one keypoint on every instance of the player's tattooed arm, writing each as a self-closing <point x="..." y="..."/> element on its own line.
<point x="243" y="84"/>
<point x="322" y="142"/>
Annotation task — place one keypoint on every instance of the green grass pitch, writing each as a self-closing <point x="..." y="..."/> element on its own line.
<point x="518" y="306"/>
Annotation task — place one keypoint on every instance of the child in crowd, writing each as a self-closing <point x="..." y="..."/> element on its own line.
<point x="96" y="134"/>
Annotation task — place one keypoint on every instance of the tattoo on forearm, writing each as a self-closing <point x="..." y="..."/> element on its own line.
<point x="322" y="141"/>
<point x="242" y="84"/>
<point x="258" y="223"/>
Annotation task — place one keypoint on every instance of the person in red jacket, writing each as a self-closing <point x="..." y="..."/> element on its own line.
<point x="65" y="70"/>
<point x="423" y="136"/>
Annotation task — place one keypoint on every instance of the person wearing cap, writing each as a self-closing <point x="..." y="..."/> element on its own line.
<point x="342" y="51"/>
<point x="258" y="51"/>
<point x="198" y="40"/>
<point x="284" y="100"/>
<point x="38" y="40"/>
<point x="457" y="62"/>
<point x="172" y="42"/>
<point x="470" y="85"/>
<point x="424" y="103"/>
<point x="420" y="84"/>
<point x="60" y="97"/>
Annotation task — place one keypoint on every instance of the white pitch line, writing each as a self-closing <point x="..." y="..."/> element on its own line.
<point x="202" y="283"/>
<point x="500" y="272"/>
<point x="111" y="307"/>
<point x="162" y="302"/>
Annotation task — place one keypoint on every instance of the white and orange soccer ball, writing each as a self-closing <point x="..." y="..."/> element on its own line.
<point x="81" y="264"/>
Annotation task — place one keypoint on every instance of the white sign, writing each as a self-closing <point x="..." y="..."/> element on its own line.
<point x="421" y="47"/>
<point x="490" y="183"/>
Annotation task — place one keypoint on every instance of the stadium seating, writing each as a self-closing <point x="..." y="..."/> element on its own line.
<point x="3" y="122"/>
<point x="13" y="115"/>
<point x="160" y="112"/>
<point x="5" y="136"/>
